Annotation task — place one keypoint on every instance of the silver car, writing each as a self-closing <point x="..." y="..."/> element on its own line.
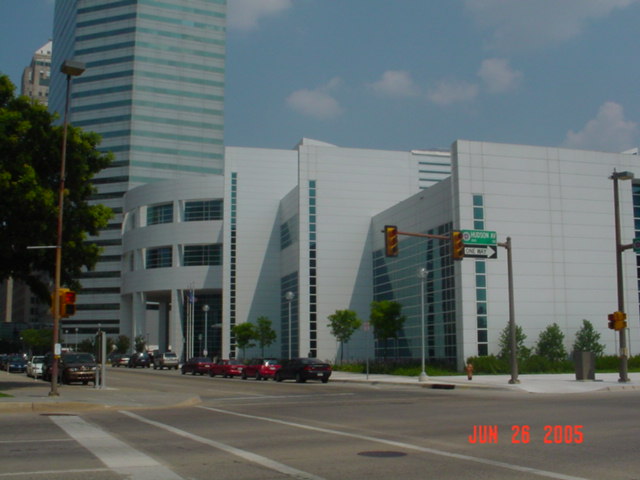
<point x="34" y="366"/>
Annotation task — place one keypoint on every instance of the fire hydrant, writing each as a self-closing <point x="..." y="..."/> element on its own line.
<point x="469" y="370"/>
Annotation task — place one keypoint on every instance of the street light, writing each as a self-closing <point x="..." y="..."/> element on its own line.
<point x="289" y="297"/>
<point x="615" y="176"/>
<point x="422" y="275"/>
<point x="70" y="68"/>
<point x="205" y="309"/>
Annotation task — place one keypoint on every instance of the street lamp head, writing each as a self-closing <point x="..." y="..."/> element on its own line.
<point x="621" y="175"/>
<point x="289" y="296"/>
<point x="205" y="308"/>
<point x="73" y="68"/>
<point x="422" y="273"/>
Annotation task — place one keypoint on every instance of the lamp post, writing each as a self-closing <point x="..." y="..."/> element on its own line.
<point x="615" y="176"/>
<point x="205" y="309"/>
<point x="76" y="345"/>
<point x="71" y="69"/>
<point x="289" y="297"/>
<point x="422" y="275"/>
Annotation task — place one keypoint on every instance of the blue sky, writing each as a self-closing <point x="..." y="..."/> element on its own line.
<point x="412" y="74"/>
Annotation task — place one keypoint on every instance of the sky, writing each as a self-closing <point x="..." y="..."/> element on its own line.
<point x="412" y="74"/>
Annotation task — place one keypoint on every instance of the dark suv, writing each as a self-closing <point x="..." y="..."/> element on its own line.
<point x="140" y="359"/>
<point x="303" y="369"/>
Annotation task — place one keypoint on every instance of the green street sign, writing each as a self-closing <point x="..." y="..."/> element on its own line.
<point x="636" y="245"/>
<point x="479" y="237"/>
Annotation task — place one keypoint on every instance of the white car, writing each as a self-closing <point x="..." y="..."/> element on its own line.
<point x="34" y="366"/>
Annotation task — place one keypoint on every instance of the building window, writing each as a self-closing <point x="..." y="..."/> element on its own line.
<point x="481" y="283"/>
<point x="159" y="257"/>
<point x="157" y="214"/>
<point x="201" y="210"/>
<point x="195" y="255"/>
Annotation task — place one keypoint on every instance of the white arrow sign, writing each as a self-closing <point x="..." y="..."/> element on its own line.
<point x="481" y="251"/>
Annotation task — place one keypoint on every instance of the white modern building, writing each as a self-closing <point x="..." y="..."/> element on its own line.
<point x="300" y="236"/>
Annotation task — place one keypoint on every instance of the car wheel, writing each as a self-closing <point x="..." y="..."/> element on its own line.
<point x="211" y="374"/>
<point x="258" y="376"/>
<point x="299" y="378"/>
<point x="278" y="377"/>
<point x="85" y="382"/>
<point x="244" y="376"/>
<point x="183" y="372"/>
<point x="325" y="379"/>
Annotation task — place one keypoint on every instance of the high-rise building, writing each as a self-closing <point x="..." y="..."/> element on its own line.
<point x="153" y="88"/>
<point x="35" y="77"/>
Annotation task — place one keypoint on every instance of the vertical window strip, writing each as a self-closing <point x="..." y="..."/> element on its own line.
<point x="232" y="261"/>
<point x="313" y="291"/>
<point x="482" y="331"/>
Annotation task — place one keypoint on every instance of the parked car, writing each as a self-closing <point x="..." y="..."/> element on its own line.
<point x="16" y="364"/>
<point x="199" y="365"/>
<point x="165" y="360"/>
<point x="4" y="358"/>
<point x="227" y="368"/>
<point x="261" y="368"/>
<point x="72" y="367"/>
<point x="139" y="359"/>
<point x="34" y="366"/>
<point x="120" y="360"/>
<point x="303" y="369"/>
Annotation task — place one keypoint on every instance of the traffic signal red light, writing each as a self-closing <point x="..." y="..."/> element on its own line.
<point x="391" y="240"/>
<point x="457" y="245"/>
<point x="67" y="302"/>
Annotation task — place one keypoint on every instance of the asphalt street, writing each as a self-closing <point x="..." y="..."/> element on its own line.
<point x="161" y="425"/>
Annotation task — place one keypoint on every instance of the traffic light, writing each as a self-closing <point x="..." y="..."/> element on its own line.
<point x="612" y="321"/>
<point x="67" y="302"/>
<point x="619" y="320"/>
<point x="457" y="245"/>
<point x="391" y="240"/>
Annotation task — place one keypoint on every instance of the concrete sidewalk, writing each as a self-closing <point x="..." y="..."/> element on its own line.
<point x="28" y="395"/>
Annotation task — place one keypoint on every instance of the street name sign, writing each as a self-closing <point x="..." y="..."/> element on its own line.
<point x="479" y="237"/>
<point x="481" y="251"/>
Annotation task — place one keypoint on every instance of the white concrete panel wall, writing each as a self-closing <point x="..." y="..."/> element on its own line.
<point x="557" y="207"/>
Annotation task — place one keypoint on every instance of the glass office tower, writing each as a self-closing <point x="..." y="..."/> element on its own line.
<point x="154" y="90"/>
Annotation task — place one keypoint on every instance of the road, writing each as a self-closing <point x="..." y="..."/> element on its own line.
<point x="267" y="430"/>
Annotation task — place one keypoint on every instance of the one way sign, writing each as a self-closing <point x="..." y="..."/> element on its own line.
<point x="481" y="251"/>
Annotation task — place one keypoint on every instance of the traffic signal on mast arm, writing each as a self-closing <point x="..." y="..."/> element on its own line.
<point x="457" y="245"/>
<point x="67" y="302"/>
<point x="391" y="240"/>
<point x="617" y="321"/>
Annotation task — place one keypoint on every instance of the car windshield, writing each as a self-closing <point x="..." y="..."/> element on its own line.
<point x="37" y="360"/>
<point x="309" y="361"/>
<point x="235" y="362"/>
<point x="170" y="355"/>
<point x="79" y="358"/>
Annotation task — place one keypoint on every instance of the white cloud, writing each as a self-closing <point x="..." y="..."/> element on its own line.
<point x="395" y="83"/>
<point x="498" y="76"/>
<point x="453" y="91"/>
<point x="245" y="14"/>
<point x="318" y="103"/>
<point x="526" y="24"/>
<point x="608" y="131"/>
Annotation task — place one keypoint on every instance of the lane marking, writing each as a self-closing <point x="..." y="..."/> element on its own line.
<point x="115" y="454"/>
<point x="246" y="455"/>
<point x="55" y="472"/>
<point x="280" y="397"/>
<point x="409" y="446"/>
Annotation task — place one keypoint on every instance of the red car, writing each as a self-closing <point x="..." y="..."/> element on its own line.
<point x="199" y="365"/>
<point x="261" y="368"/>
<point x="227" y="368"/>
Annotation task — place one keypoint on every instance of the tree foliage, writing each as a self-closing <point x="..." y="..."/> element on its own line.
<point x="386" y="320"/>
<point x="505" y="344"/>
<point x="38" y="341"/>
<point x="588" y="340"/>
<point x="265" y="335"/>
<point x="551" y="344"/>
<point x="245" y="334"/>
<point x="30" y="159"/>
<point x="343" y="323"/>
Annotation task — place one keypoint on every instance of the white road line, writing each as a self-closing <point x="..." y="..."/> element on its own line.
<point x="115" y="454"/>
<point x="54" y="472"/>
<point x="251" y="457"/>
<point x="408" y="446"/>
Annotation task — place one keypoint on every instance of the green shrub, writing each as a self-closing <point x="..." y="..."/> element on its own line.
<point x="488" y="365"/>
<point x="608" y="363"/>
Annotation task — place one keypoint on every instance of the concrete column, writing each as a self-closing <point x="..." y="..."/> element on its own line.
<point x="175" y="318"/>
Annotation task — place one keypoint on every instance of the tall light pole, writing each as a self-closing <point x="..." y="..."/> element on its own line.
<point x="615" y="176"/>
<point x="205" y="309"/>
<point x="422" y="275"/>
<point x="70" y="68"/>
<point x="289" y="297"/>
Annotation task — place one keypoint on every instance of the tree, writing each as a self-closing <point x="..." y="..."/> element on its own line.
<point x="38" y="341"/>
<point x="588" y="340"/>
<point x="30" y="155"/>
<point x="551" y="344"/>
<point x="265" y="335"/>
<point x="505" y="344"/>
<point x="245" y="333"/>
<point x="140" y="343"/>
<point x="122" y="343"/>
<point x="386" y="320"/>
<point x="343" y="324"/>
